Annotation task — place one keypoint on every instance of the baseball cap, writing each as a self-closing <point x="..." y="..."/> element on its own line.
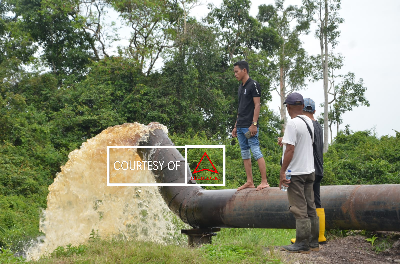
<point x="309" y="105"/>
<point x="294" y="99"/>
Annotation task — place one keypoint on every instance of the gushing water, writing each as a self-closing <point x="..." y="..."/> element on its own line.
<point x="80" y="202"/>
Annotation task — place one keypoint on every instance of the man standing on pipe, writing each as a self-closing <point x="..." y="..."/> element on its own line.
<point x="298" y="157"/>
<point x="246" y="126"/>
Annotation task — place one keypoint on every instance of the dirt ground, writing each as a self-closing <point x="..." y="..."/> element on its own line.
<point x="351" y="249"/>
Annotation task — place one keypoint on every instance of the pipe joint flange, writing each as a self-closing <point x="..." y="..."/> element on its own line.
<point x="200" y="236"/>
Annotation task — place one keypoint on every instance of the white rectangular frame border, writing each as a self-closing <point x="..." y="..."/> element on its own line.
<point x="166" y="184"/>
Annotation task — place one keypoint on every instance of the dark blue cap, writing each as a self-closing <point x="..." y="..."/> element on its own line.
<point x="294" y="99"/>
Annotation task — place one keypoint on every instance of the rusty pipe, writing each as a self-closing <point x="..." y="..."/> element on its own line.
<point x="357" y="207"/>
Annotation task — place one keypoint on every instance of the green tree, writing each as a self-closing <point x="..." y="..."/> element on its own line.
<point x="110" y="94"/>
<point x="186" y="6"/>
<point x="15" y="44"/>
<point x="346" y="95"/>
<point x="233" y="19"/>
<point x="343" y="96"/>
<point x="96" y="22"/>
<point x="291" y="60"/>
<point x="57" y="28"/>
<point x="153" y="29"/>
<point x="194" y="98"/>
<point x="328" y="21"/>
<point x="239" y="32"/>
<point x="362" y="158"/>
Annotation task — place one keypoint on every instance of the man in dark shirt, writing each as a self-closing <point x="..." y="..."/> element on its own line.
<point x="309" y="110"/>
<point x="247" y="122"/>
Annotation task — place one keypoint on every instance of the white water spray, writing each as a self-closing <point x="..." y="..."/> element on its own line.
<point x="80" y="202"/>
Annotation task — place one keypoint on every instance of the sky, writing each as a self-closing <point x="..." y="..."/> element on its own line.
<point x="369" y="42"/>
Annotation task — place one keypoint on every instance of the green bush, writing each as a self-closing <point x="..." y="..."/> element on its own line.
<point x="362" y="158"/>
<point x="69" y="251"/>
<point x="6" y="256"/>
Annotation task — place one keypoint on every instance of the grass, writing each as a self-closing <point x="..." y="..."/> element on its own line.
<point x="229" y="246"/>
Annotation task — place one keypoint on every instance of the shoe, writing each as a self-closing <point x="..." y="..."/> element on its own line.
<point x="321" y="215"/>
<point x="313" y="242"/>
<point x="303" y="233"/>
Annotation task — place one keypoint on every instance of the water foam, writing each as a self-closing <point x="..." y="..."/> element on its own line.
<point x="80" y="202"/>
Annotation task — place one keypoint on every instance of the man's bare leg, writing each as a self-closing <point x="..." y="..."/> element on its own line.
<point x="249" y="183"/>
<point x="263" y="171"/>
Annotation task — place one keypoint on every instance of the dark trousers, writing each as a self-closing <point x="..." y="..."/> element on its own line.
<point x="301" y="196"/>
<point x="316" y="188"/>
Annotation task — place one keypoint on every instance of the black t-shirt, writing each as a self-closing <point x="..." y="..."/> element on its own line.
<point x="246" y="93"/>
<point x="319" y="144"/>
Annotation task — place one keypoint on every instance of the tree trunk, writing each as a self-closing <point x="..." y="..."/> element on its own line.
<point x="184" y="18"/>
<point x="283" y="97"/>
<point x="337" y="128"/>
<point x="325" y="72"/>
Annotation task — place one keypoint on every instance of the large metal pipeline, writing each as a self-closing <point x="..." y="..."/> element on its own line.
<point x="358" y="207"/>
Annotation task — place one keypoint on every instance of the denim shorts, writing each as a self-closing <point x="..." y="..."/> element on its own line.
<point x="247" y="144"/>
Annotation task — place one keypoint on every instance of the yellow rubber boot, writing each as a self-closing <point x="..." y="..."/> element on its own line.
<point x="321" y="215"/>
<point x="321" y="238"/>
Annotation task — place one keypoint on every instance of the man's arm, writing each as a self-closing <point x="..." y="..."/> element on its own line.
<point x="287" y="158"/>
<point x="257" y="106"/>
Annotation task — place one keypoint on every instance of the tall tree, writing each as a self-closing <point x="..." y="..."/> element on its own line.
<point x="194" y="83"/>
<point x="96" y="22"/>
<point x="239" y="31"/>
<point x="232" y="17"/>
<point x="187" y="6"/>
<point x="291" y="60"/>
<point x="328" y="21"/>
<point x="58" y="28"/>
<point x="346" y="95"/>
<point x="344" y="92"/>
<point x="16" y="46"/>
<point x="152" y="26"/>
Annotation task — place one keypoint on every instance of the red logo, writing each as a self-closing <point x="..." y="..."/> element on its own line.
<point x="198" y="164"/>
